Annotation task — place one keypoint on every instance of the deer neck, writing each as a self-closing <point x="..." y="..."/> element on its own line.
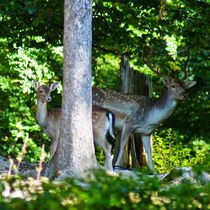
<point x="41" y="114"/>
<point x="159" y="110"/>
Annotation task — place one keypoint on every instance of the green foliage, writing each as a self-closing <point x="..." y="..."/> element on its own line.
<point x="180" y="44"/>
<point x="170" y="151"/>
<point x="104" y="192"/>
<point x="103" y="74"/>
<point x="17" y="104"/>
<point x="31" y="48"/>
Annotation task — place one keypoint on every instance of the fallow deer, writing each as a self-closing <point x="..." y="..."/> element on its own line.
<point x="49" y="120"/>
<point x="141" y="114"/>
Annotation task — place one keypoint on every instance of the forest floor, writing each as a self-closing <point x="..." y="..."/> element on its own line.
<point x="27" y="169"/>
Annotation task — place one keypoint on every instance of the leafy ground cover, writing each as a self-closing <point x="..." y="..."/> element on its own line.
<point x="31" y="48"/>
<point x="103" y="191"/>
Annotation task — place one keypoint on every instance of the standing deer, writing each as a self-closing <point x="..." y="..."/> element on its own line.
<point x="141" y="114"/>
<point x="50" y="119"/>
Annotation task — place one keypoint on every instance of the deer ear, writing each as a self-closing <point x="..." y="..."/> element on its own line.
<point x="166" y="80"/>
<point x="53" y="86"/>
<point x="189" y="84"/>
<point x="36" y="85"/>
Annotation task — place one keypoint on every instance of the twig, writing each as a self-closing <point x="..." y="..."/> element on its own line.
<point x="115" y="52"/>
<point x="42" y="158"/>
<point x="118" y="53"/>
<point x="148" y="62"/>
<point x="162" y="12"/>
<point x="186" y="65"/>
<point x="23" y="151"/>
<point x="11" y="161"/>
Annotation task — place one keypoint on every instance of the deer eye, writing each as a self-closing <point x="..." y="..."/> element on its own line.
<point x="41" y="91"/>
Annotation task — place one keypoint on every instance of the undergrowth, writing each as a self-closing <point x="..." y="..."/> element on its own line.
<point x="102" y="192"/>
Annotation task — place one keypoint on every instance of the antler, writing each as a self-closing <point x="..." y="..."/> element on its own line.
<point x="186" y="66"/>
<point x="148" y="62"/>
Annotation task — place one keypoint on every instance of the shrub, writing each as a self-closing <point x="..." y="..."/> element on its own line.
<point x="170" y="152"/>
<point x="105" y="192"/>
<point x="17" y="103"/>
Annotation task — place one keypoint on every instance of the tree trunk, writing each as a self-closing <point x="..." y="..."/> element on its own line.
<point x="75" y="155"/>
<point x="133" y="82"/>
<point x="142" y="86"/>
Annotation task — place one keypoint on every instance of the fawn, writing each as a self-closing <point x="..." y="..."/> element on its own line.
<point x="49" y="119"/>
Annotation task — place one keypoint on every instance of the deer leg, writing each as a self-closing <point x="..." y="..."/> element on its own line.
<point x="108" y="157"/>
<point x="147" y="145"/>
<point x="53" y="146"/>
<point x="101" y="141"/>
<point x="123" y="142"/>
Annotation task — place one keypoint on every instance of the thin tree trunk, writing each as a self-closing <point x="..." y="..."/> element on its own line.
<point x="142" y="86"/>
<point x="133" y="82"/>
<point x="75" y="154"/>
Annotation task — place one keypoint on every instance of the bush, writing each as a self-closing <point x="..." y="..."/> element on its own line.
<point x="170" y="152"/>
<point x="105" y="192"/>
<point x="17" y="103"/>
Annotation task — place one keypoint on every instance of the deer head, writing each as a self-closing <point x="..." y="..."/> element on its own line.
<point x="176" y="89"/>
<point x="43" y="91"/>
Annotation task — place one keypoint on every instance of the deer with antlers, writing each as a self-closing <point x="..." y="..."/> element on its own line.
<point x="141" y="114"/>
<point x="50" y="119"/>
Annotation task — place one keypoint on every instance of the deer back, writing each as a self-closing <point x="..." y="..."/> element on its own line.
<point x="125" y="107"/>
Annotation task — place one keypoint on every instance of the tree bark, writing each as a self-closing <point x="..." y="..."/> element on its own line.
<point x="75" y="155"/>
<point x="133" y="82"/>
